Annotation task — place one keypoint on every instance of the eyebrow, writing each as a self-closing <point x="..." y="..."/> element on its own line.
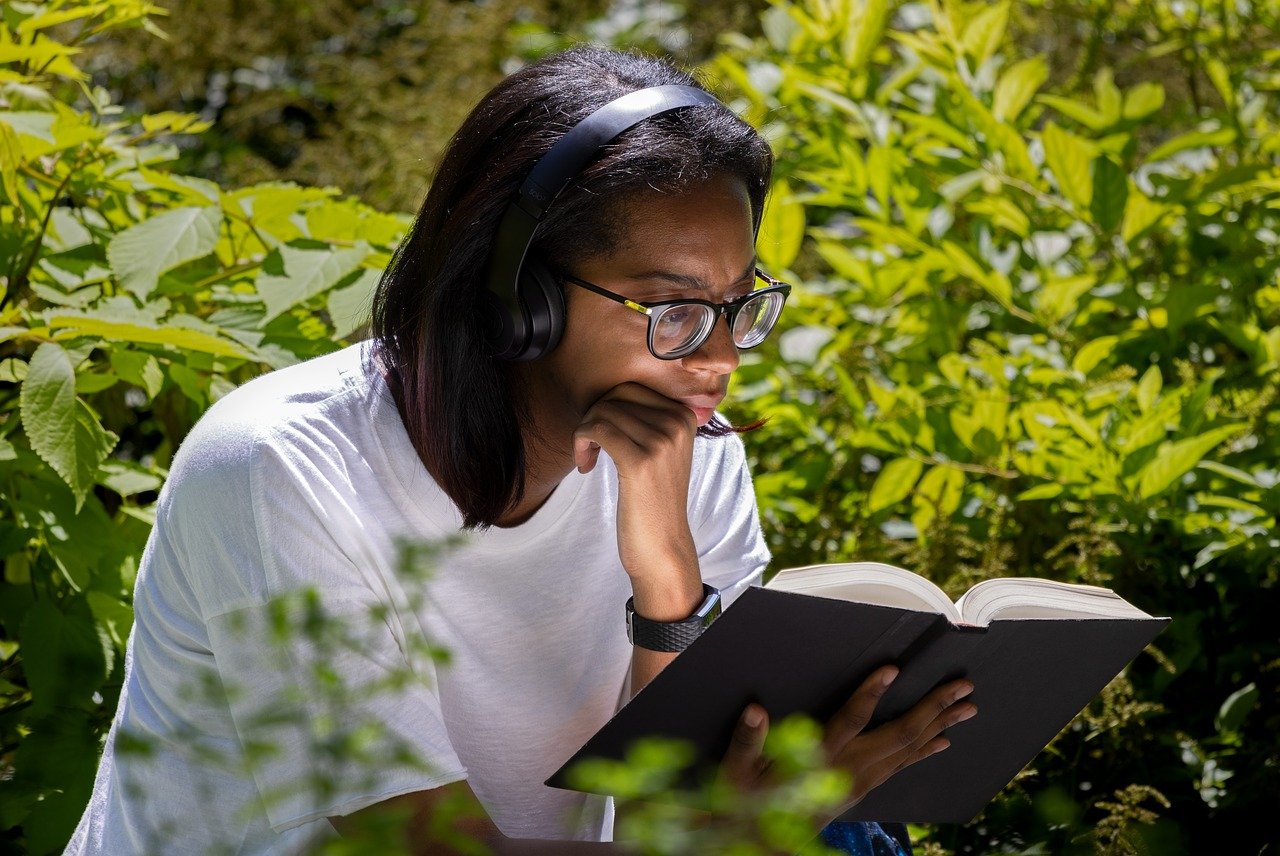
<point x="690" y="281"/>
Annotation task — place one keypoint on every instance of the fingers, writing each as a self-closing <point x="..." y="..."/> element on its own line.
<point x="742" y="763"/>
<point x="852" y="718"/>
<point x="631" y="431"/>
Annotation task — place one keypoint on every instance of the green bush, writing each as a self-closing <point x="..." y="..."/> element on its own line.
<point x="1036" y="330"/>
<point x="1038" y="333"/>
<point x="133" y="298"/>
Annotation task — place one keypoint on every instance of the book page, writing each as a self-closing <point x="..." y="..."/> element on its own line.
<point x="1028" y="597"/>
<point x="867" y="582"/>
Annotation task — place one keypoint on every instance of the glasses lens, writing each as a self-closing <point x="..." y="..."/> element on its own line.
<point x="679" y="329"/>
<point x="756" y="319"/>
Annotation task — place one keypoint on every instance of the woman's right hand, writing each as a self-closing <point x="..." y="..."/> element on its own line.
<point x="870" y="757"/>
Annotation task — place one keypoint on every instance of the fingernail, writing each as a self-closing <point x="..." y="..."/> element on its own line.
<point x="944" y="745"/>
<point x="753" y="717"/>
<point x="888" y="677"/>
<point x="963" y="691"/>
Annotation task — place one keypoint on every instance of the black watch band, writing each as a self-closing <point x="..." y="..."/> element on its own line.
<point x="672" y="635"/>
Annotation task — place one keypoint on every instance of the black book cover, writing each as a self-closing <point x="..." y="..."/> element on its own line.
<point x="800" y="653"/>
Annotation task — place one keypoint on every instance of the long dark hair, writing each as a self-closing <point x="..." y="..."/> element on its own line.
<point x="461" y="410"/>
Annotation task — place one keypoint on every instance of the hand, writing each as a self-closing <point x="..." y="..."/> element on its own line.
<point x="650" y="439"/>
<point x="871" y="757"/>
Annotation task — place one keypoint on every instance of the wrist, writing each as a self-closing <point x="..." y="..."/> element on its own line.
<point x="667" y="599"/>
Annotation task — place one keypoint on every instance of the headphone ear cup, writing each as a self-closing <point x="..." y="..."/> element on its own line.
<point x="543" y="299"/>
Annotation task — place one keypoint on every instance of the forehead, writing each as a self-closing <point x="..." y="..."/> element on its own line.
<point x="704" y="231"/>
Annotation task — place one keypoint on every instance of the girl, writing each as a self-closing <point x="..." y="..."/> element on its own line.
<point x="547" y="359"/>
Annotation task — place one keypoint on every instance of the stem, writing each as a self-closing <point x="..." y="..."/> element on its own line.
<point x="19" y="280"/>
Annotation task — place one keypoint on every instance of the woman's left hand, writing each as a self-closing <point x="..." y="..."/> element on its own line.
<point x="870" y="756"/>
<point x="649" y="437"/>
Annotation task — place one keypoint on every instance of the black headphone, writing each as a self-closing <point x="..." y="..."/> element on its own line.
<point x="527" y="314"/>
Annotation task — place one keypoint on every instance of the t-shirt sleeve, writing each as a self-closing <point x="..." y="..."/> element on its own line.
<point x="732" y="553"/>
<point x="333" y="702"/>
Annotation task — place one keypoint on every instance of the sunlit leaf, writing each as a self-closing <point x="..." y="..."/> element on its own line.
<point x="1176" y="459"/>
<point x="1017" y="86"/>
<point x="1068" y="157"/>
<point x="140" y="254"/>
<point x="894" y="483"/>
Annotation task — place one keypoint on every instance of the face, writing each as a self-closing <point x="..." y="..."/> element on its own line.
<point x="697" y="244"/>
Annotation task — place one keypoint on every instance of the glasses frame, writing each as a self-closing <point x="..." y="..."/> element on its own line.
<point x="729" y="310"/>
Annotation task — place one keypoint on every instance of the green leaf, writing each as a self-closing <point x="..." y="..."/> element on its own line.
<point x="63" y="654"/>
<point x="59" y="427"/>
<point x="10" y="161"/>
<point x="183" y="338"/>
<point x="1143" y="100"/>
<point x="1149" y="389"/>
<point x="1017" y="86"/>
<point x="1068" y="157"/>
<point x="1082" y="113"/>
<point x="1239" y="704"/>
<point x="1048" y="490"/>
<point x="349" y="306"/>
<point x="1193" y="140"/>
<point x="1141" y="212"/>
<point x="781" y="230"/>
<point x="865" y="31"/>
<point x="1110" y="193"/>
<point x="1058" y="298"/>
<point x="1108" y="96"/>
<point x="894" y="483"/>
<point x="985" y="31"/>
<point x="141" y="370"/>
<point x="1175" y="459"/>
<point x="139" y="255"/>
<point x="300" y="270"/>
<point x="937" y="495"/>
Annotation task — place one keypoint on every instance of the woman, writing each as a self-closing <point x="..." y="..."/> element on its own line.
<point x="532" y="384"/>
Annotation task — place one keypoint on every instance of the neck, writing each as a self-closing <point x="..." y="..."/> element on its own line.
<point x="547" y="462"/>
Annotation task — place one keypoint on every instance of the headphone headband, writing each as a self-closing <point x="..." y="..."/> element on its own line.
<point x="523" y="332"/>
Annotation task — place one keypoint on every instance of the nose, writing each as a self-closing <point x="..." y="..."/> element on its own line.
<point x="718" y="355"/>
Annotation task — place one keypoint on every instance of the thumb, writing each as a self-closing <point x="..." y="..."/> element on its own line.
<point x="741" y="763"/>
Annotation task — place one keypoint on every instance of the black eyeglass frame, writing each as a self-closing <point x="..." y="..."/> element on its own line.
<point x="729" y="310"/>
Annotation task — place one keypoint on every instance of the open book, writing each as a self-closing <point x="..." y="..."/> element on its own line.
<point x="1037" y="652"/>
<point x="998" y="599"/>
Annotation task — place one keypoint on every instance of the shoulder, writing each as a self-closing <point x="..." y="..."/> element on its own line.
<point x="716" y="459"/>
<point x="273" y="411"/>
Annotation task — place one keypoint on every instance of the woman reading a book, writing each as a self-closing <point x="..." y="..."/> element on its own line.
<point x="550" y="344"/>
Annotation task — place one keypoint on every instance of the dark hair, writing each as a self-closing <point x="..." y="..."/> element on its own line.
<point x="461" y="410"/>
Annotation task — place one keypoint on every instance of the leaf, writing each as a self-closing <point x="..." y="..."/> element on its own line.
<point x="63" y="654"/>
<point x="1082" y="113"/>
<point x="1239" y="704"/>
<point x="1048" y="490"/>
<point x="1143" y="100"/>
<point x="1017" y="86"/>
<point x="894" y="483"/>
<point x="349" y="306"/>
<point x="141" y="370"/>
<point x="139" y="255"/>
<point x="1068" y="156"/>
<point x="1110" y="193"/>
<point x="10" y="161"/>
<point x="185" y="339"/>
<point x="1175" y="459"/>
<point x="1058" y="298"/>
<point x="781" y="230"/>
<point x="1140" y="213"/>
<point x="297" y="271"/>
<point x="59" y="427"/>
<point x="1193" y="140"/>
<point x="984" y="33"/>
<point x="937" y="494"/>
<point x="1149" y="388"/>
<point x="1107" y="95"/>
<point x="865" y="31"/>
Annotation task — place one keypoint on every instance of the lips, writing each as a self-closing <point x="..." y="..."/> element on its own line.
<point x="703" y="406"/>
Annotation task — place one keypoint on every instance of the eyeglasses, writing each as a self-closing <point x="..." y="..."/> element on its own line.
<point x="677" y="328"/>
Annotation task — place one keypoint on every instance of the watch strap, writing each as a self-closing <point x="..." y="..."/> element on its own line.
<point x="672" y="636"/>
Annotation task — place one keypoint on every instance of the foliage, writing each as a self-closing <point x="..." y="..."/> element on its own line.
<point x="133" y="298"/>
<point x="1036" y="330"/>
<point x="1038" y="333"/>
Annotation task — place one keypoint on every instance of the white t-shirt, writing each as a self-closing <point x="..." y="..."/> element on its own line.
<point x="305" y="477"/>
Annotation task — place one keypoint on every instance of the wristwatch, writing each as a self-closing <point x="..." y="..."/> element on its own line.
<point x="672" y="635"/>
